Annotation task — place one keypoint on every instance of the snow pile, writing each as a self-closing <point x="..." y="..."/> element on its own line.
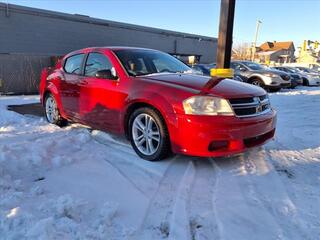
<point x="63" y="218"/>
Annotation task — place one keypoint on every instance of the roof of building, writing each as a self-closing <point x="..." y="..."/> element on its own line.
<point x="275" y="46"/>
<point x="266" y="52"/>
<point x="7" y="8"/>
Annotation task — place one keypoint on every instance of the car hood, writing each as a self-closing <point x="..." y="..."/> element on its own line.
<point x="226" y="88"/>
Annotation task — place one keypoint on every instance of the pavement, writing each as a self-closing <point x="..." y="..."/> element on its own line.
<point x="35" y="109"/>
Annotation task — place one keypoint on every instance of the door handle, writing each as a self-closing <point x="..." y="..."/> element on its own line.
<point x="83" y="82"/>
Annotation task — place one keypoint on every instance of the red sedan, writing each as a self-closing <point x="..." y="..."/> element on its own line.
<point x="156" y="102"/>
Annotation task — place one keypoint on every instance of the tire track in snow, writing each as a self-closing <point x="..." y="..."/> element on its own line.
<point x="281" y="204"/>
<point x="161" y="213"/>
<point x="143" y="175"/>
<point x="201" y="206"/>
<point x="239" y="212"/>
<point x="186" y="211"/>
<point x="262" y="175"/>
<point x="180" y="227"/>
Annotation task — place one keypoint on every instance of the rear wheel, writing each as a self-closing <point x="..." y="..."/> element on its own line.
<point x="148" y="134"/>
<point x="52" y="112"/>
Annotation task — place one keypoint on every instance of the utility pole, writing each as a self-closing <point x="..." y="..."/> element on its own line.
<point x="255" y="40"/>
<point x="225" y="39"/>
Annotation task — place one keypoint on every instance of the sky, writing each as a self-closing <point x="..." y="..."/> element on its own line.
<point x="282" y="20"/>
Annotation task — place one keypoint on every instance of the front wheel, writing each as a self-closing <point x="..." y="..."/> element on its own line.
<point x="148" y="134"/>
<point x="52" y="112"/>
<point x="305" y="82"/>
<point x="274" y="90"/>
<point x="257" y="82"/>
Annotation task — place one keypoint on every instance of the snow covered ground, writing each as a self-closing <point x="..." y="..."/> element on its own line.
<point x="74" y="183"/>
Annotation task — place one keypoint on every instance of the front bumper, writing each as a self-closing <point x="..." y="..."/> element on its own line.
<point x="314" y="81"/>
<point x="196" y="134"/>
<point x="275" y="82"/>
<point x="296" y="82"/>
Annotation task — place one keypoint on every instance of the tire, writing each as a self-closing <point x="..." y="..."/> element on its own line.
<point x="257" y="82"/>
<point x="305" y="82"/>
<point x="274" y="90"/>
<point x="52" y="112"/>
<point x="148" y="134"/>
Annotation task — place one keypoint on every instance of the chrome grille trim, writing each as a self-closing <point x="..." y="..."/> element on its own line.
<point x="243" y="105"/>
<point x="253" y="107"/>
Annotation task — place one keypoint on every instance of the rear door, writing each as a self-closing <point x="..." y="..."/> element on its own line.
<point x="69" y="89"/>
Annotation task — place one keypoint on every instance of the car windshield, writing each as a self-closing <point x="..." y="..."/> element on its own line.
<point x="306" y="70"/>
<point x="285" y="69"/>
<point x="253" y="66"/>
<point x="293" y="70"/>
<point x="138" y="62"/>
<point x="290" y="70"/>
<point x="210" y="66"/>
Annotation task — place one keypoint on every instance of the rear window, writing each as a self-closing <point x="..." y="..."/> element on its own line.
<point x="73" y="64"/>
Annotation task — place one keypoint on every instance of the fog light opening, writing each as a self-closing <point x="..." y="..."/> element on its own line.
<point x="218" y="145"/>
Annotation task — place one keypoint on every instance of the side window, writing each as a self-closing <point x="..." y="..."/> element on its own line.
<point x="95" y="63"/>
<point x="73" y="64"/>
<point x="235" y="66"/>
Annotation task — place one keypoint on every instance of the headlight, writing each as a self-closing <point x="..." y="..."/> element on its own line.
<point x="270" y="75"/>
<point x="205" y="105"/>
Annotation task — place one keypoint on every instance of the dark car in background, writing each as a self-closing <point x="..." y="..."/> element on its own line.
<point x="296" y="79"/>
<point x="204" y="69"/>
<point x="269" y="79"/>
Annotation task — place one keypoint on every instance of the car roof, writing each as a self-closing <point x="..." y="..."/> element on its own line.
<point x="118" y="48"/>
<point x="112" y="48"/>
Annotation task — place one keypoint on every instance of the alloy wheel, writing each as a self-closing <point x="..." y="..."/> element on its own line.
<point x="146" y="134"/>
<point x="256" y="83"/>
<point x="52" y="112"/>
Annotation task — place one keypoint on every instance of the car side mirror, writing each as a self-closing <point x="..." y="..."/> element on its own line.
<point x="242" y="69"/>
<point x="106" y="74"/>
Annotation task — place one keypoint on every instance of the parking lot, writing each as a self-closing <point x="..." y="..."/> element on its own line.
<point x="79" y="183"/>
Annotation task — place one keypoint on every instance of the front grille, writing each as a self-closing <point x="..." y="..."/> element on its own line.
<point x="296" y="77"/>
<point x="250" y="107"/>
<point x="241" y="100"/>
<point x="254" y="141"/>
<point x="285" y="84"/>
<point x="285" y="77"/>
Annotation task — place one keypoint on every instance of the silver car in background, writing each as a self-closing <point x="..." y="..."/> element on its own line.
<point x="310" y="77"/>
<point x="269" y="79"/>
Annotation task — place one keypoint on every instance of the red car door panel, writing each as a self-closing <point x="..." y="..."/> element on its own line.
<point x="100" y="101"/>
<point x="69" y="88"/>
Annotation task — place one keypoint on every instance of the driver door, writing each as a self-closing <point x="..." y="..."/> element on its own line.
<point x="100" y="99"/>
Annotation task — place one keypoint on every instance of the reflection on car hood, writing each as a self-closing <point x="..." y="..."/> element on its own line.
<point x="219" y="87"/>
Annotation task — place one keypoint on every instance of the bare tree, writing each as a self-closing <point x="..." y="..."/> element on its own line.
<point x="241" y="51"/>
